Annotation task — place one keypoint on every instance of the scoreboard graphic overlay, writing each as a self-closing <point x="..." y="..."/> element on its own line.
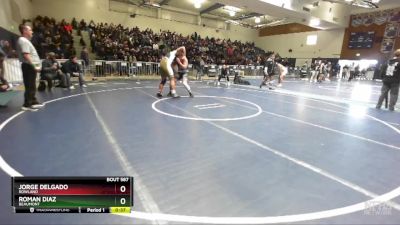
<point x="72" y="194"/>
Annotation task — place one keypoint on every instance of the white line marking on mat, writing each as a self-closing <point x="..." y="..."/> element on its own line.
<point x="256" y="107"/>
<point x="198" y="106"/>
<point x="212" y="107"/>
<point x="142" y="191"/>
<point x="283" y="219"/>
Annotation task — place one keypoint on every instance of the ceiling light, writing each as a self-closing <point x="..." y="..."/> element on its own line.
<point x="197" y="3"/>
<point x="257" y="20"/>
<point x="231" y="8"/>
<point x="275" y="22"/>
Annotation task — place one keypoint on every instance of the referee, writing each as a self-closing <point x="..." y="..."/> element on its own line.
<point x="31" y="64"/>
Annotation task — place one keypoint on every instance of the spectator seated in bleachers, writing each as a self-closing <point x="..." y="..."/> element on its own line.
<point x="112" y="42"/>
<point x="49" y="34"/>
<point x="4" y="86"/>
<point x="51" y="71"/>
<point x="7" y="49"/>
<point x="71" y="68"/>
<point x="116" y="42"/>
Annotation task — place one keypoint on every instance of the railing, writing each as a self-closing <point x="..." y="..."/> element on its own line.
<point x="242" y="70"/>
<point x="101" y="68"/>
<point x="13" y="71"/>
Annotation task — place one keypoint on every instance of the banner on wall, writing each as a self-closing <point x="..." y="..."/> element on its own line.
<point x="387" y="45"/>
<point x="380" y="18"/>
<point x="391" y="30"/>
<point x="368" y="19"/>
<point x="394" y="16"/>
<point x="357" y="20"/>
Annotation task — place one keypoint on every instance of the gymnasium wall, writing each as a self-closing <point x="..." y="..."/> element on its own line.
<point x="329" y="44"/>
<point x="12" y="12"/>
<point x="99" y="11"/>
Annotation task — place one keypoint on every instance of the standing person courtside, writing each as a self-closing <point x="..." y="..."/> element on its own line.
<point x="85" y="56"/>
<point x="31" y="65"/>
<point x="390" y="81"/>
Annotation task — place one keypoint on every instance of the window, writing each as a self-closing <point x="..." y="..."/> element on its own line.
<point x="312" y="39"/>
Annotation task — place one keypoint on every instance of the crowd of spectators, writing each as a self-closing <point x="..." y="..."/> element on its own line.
<point x="7" y="50"/>
<point x="52" y="36"/>
<point x="115" y="42"/>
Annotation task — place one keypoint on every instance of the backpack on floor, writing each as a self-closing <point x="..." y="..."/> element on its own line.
<point x="42" y="86"/>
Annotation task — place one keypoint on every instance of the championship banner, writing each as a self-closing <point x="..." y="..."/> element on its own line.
<point x="368" y="19"/>
<point x="387" y="45"/>
<point x="381" y="18"/>
<point x="378" y="18"/>
<point x="391" y="30"/>
<point x="356" y="20"/>
<point x="394" y="16"/>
